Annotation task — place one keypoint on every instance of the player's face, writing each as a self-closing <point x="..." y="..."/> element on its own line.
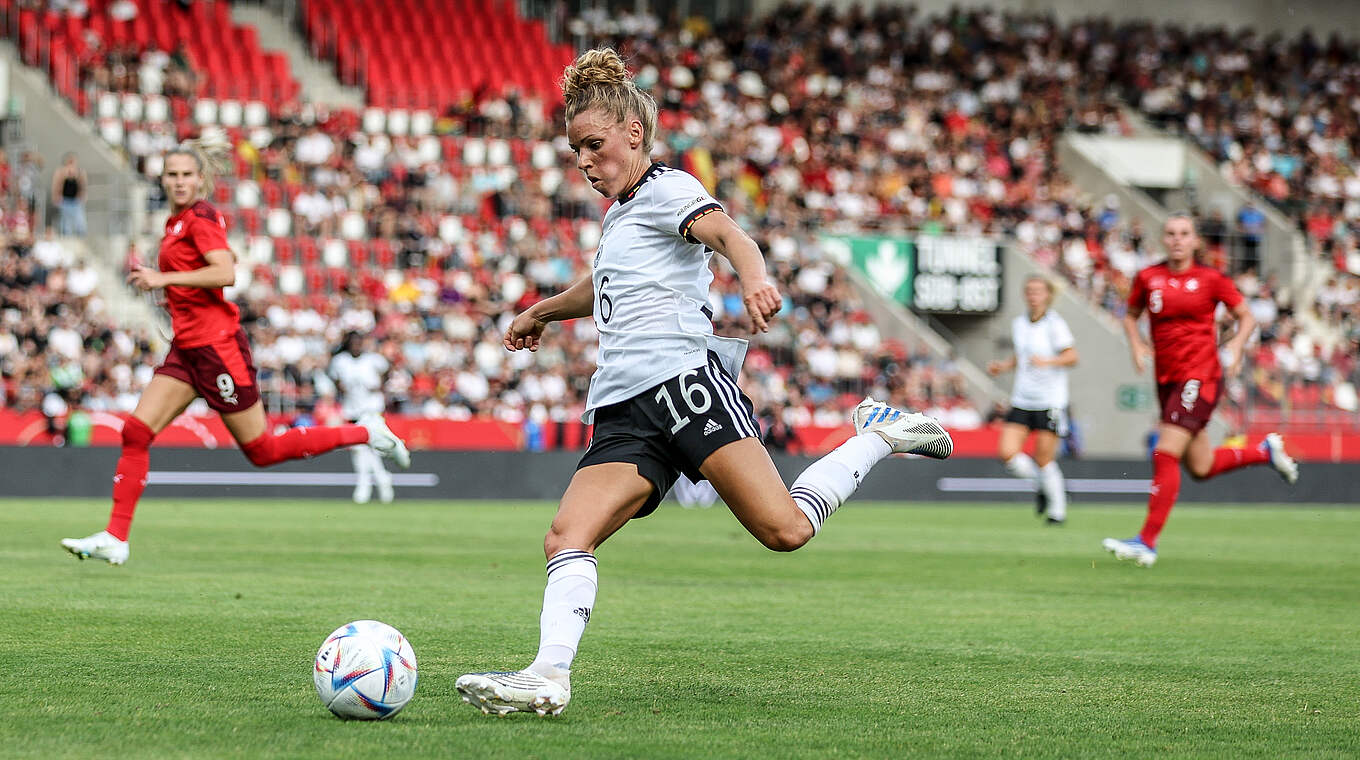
<point x="606" y="150"/>
<point x="181" y="179"/>
<point x="1179" y="240"/>
<point x="1036" y="297"/>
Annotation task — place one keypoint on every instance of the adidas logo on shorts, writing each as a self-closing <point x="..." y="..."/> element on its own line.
<point x="711" y="427"/>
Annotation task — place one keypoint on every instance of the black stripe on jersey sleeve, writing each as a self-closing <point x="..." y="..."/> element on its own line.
<point x="699" y="213"/>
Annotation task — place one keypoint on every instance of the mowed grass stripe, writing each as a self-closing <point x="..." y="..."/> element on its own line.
<point x="924" y="631"/>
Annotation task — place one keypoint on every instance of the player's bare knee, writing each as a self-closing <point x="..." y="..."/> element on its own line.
<point x="787" y="538"/>
<point x="556" y="540"/>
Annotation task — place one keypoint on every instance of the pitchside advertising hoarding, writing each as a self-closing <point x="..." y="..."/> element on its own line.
<point x="933" y="273"/>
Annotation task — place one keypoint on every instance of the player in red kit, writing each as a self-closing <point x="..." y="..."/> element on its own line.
<point x="209" y="356"/>
<point x="1181" y="297"/>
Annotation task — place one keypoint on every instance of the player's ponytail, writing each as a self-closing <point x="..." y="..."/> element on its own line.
<point x="211" y="150"/>
<point x="598" y="79"/>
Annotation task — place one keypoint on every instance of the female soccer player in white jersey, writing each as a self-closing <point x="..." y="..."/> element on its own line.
<point x="359" y="375"/>
<point x="664" y="399"/>
<point x="1043" y="352"/>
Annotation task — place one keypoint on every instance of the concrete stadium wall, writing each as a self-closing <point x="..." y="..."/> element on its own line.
<point x="39" y="473"/>
<point x="1289" y="16"/>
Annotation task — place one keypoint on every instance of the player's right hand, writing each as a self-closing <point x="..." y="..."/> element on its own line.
<point x="1140" y="357"/>
<point x="525" y="331"/>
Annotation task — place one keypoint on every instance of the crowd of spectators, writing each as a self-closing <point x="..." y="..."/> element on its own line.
<point x="799" y="123"/>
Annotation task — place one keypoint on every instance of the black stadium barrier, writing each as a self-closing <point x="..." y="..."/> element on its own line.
<point x="35" y="472"/>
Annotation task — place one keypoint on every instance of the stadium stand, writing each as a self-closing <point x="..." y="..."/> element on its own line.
<point x="432" y="214"/>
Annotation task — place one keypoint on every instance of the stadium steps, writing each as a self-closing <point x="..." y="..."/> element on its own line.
<point x="50" y="129"/>
<point x="319" y="85"/>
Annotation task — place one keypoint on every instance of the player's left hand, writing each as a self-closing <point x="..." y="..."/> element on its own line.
<point x="143" y="278"/>
<point x="762" y="302"/>
<point x="1234" y="362"/>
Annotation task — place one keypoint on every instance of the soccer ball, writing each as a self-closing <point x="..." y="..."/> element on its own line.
<point x="365" y="670"/>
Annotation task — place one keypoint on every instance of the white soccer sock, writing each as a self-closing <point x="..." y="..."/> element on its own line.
<point x="567" y="602"/>
<point x="378" y="470"/>
<point x="363" y="488"/>
<point x="1051" y="480"/>
<point x="1021" y="466"/>
<point x="826" y="484"/>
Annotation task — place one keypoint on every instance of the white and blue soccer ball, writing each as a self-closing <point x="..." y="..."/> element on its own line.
<point x="365" y="670"/>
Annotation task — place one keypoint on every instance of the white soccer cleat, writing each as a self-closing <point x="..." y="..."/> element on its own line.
<point x="1280" y="459"/>
<point x="385" y="493"/>
<point x="906" y="432"/>
<point x="101" y="545"/>
<point x="1131" y="548"/>
<point x="519" y="691"/>
<point x="382" y="440"/>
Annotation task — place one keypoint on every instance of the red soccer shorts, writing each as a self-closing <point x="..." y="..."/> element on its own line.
<point x="1189" y="403"/>
<point x="222" y="373"/>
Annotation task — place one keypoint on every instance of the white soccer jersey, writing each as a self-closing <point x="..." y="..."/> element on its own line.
<point x="360" y="379"/>
<point x="651" y="289"/>
<point x="1038" y="388"/>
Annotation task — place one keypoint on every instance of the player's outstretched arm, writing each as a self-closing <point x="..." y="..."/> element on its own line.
<point x="1246" y="324"/>
<point x="219" y="273"/>
<point x="1137" y="346"/>
<point x="526" y="329"/>
<point x="761" y="297"/>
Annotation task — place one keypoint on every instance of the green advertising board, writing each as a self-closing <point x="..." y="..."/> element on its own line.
<point x="934" y="273"/>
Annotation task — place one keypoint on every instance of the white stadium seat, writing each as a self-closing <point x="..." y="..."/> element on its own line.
<point x="290" y="280"/>
<point x="398" y="122"/>
<point x="353" y="226"/>
<point x="474" y="152"/>
<point x="589" y="236"/>
<point x="106" y="107"/>
<point x="451" y="230"/>
<point x="550" y="180"/>
<point x="230" y="113"/>
<point x="205" y="111"/>
<point x="428" y="149"/>
<point x="334" y="253"/>
<point x="247" y="194"/>
<point x="157" y="109"/>
<point x="498" y="153"/>
<point x="261" y="250"/>
<point x="133" y="107"/>
<point x="278" y="222"/>
<point x="375" y="120"/>
<point x="422" y="123"/>
<point x="256" y="114"/>
<point x="543" y="156"/>
<point x="111" y="130"/>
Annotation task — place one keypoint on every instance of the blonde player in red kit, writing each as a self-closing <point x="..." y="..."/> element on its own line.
<point x="1181" y="297"/>
<point x="209" y="356"/>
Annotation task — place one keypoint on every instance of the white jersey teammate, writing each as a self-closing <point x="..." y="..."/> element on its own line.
<point x="1039" y="398"/>
<point x="664" y="400"/>
<point x="359" y="375"/>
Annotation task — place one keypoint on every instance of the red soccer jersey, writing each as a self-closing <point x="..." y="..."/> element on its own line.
<point x="200" y="316"/>
<point x="1180" y="307"/>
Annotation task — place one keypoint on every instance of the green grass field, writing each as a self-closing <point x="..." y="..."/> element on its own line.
<point x="901" y="631"/>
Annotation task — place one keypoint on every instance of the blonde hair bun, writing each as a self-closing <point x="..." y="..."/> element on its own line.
<point x="599" y="80"/>
<point x="594" y="67"/>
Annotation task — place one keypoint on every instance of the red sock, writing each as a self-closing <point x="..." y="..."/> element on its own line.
<point x="1166" y="484"/>
<point x="301" y="442"/>
<point x="129" y="478"/>
<point x="1226" y="459"/>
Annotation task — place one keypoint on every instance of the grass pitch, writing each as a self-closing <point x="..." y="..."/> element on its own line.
<point x="926" y="631"/>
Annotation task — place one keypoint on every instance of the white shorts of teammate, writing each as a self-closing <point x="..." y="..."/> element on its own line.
<point x="693" y="495"/>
